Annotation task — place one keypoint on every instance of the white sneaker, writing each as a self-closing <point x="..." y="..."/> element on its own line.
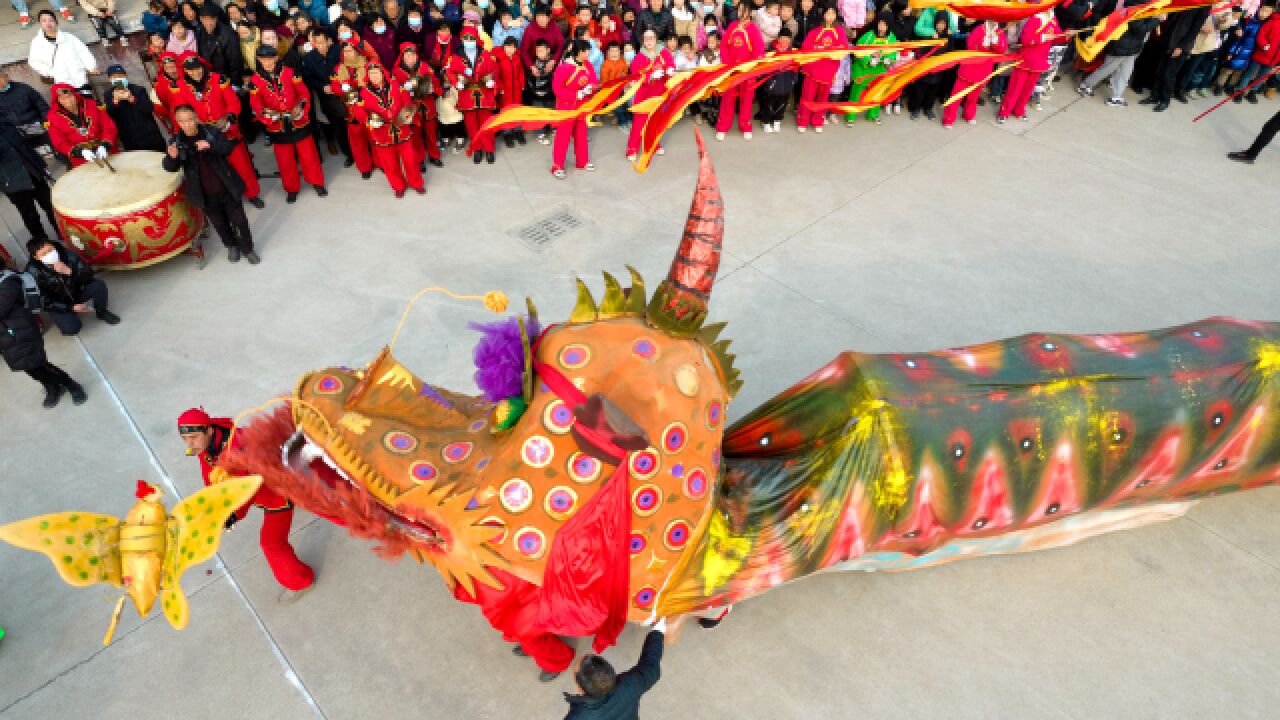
<point x="973" y="122"/>
<point x="746" y="136"/>
<point x="777" y="126"/>
<point x="719" y="136"/>
<point x="768" y="127"/>
<point x="817" y="128"/>
<point x="662" y="151"/>
<point x="801" y="128"/>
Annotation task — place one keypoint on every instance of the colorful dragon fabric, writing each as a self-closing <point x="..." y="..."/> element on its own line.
<point x="598" y="483"/>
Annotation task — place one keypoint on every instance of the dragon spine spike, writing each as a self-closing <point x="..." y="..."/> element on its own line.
<point x="680" y="304"/>
<point x="636" y="300"/>
<point x="584" y="310"/>
<point x="709" y="333"/>
<point x="614" y="304"/>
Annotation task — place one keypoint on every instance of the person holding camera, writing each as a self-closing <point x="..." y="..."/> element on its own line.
<point x="134" y="114"/>
<point x="67" y="285"/>
<point x="25" y="180"/>
<point x="200" y="151"/>
<point x="21" y="344"/>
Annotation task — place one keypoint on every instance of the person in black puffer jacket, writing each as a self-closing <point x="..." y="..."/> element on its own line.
<point x="23" y="347"/>
<point x="67" y="285"/>
<point x="25" y="180"/>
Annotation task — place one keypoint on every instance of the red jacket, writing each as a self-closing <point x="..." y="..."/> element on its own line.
<point x="510" y="78"/>
<point x="570" y="80"/>
<point x="69" y="133"/>
<point x="1036" y="39"/>
<point x="742" y="42"/>
<point x="166" y="88"/>
<point x="651" y="86"/>
<point x="277" y="99"/>
<point x="976" y="72"/>
<point x="401" y="76"/>
<point x="477" y="85"/>
<point x="265" y="498"/>
<point x="819" y="39"/>
<point x="213" y="104"/>
<point x="353" y="78"/>
<point x="379" y="111"/>
<point x="1266" y="49"/>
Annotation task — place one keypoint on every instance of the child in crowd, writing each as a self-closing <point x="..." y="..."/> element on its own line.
<point x="614" y="67"/>
<point x="686" y="58"/>
<point x="537" y="84"/>
<point x="869" y="67"/>
<point x="775" y="91"/>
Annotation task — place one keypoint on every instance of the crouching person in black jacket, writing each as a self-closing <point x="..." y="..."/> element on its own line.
<point x="201" y="152"/>
<point x="67" y="286"/>
<point x="609" y="696"/>
<point x="23" y="347"/>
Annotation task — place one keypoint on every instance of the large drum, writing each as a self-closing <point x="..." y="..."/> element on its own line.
<point x="139" y="203"/>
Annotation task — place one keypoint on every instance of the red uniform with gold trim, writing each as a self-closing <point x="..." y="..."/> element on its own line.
<point x="572" y="85"/>
<point x="743" y="42"/>
<point x="216" y="103"/>
<point x="346" y="82"/>
<point x="282" y="103"/>
<point x="819" y="74"/>
<point x="425" y="136"/>
<point x="88" y="129"/>
<point x="477" y="86"/>
<point x="382" y="110"/>
<point x="277" y="511"/>
<point x="653" y="73"/>
<point x="167" y="88"/>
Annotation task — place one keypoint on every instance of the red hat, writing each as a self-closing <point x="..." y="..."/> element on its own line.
<point x="407" y="46"/>
<point x="195" y="417"/>
<point x="469" y="32"/>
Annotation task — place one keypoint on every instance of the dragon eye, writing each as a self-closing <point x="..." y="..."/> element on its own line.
<point x="957" y="451"/>
<point x="979" y="523"/>
<point x="765" y="440"/>
<point x="912" y="534"/>
<point x="1217" y="419"/>
<point x="1025" y="444"/>
<point x="1052" y="509"/>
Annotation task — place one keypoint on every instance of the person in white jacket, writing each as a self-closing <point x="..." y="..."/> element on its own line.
<point x="59" y="55"/>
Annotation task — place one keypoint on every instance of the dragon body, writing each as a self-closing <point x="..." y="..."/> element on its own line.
<point x="875" y="462"/>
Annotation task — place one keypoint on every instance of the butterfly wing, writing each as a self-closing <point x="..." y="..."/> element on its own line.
<point x="194" y="532"/>
<point x="84" y="547"/>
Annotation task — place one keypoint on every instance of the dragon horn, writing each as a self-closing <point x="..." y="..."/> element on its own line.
<point x="681" y="301"/>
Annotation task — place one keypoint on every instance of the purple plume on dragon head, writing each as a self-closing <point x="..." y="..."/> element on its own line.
<point x="499" y="356"/>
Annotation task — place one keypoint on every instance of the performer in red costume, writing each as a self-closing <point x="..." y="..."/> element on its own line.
<point x="654" y="65"/>
<point x="166" y="86"/>
<point x="207" y="437"/>
<point x="347" y="82"/>
<point x="415" y="78"/>
<point x="818" y="74"/>
<point x="282" y="104"/>
<point x="215" y="103"/>
<point x="987" y="36"/>
<point x="78" y="127"/>
<point x="1040" y="33"/>
<point x="742" y="42"/>
<point x="575" y="79"/>
<point x="473" y="72"/>
<point x="387" y="112"/>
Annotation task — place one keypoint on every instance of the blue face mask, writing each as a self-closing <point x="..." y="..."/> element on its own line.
<point x="379" y="29"/>
<point x="482" y="4"/>
<point x="439" y="4"/>
<point x="629" y="55"/>
<point x="344" y="34"/>
<point x="469" y="44"/>
<point x="415" y="23"/>
<point x="272" y="5"/>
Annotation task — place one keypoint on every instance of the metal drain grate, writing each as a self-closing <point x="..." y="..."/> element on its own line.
<point x="542" y="231"/>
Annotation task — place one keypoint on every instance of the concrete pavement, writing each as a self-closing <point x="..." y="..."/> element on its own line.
<point x="897" y="237"/>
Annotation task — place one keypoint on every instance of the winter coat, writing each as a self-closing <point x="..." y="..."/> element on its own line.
<point x="1240" y="49"/>
<point x="924" y="25"/>
<point x="770" y="25"/>
<point x="570" y="80"/>
<point x="824" y="38"/>
<point x="219" y="150"/>
<point x="661" y="22"/>
<point x="805" y="22"/>
<point x="867" y="68"/>
<point x="87" y="128"/>
<point x="66" y="60"/>
<point x="661" y="64"/>
<point x="20" y="340"/>
<point x="551" y="33"/>
<point x="135" y="121"/>
<point x="221" y="49"/>
<point x="624" y="702"/>
<point x="61" y="293"/>
<point x="384" y="45"/>
<point x="21" y="104"/>
<point x="1131" y="42"/>
<point x="1182" y="28"/>
<point x="1266" y="51"/>
<point x="1036" y="39"/>
<point x="742" y="42"/>
<point x="19" y="162"/>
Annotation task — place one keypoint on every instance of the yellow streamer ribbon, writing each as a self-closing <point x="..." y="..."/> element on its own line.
<point x="978" y="85"/>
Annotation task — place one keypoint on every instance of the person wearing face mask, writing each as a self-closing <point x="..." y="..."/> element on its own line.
<point x="348" y="80"/>
<point x="574" y="81"/>
<point x="742" y="42"/>
<point x="67" y="285"/>
<point x="130" y="108"/>
<point x="485" y="12"/>
<point x="217" y="104"/>
<point x="22" y="345"/>
<point x="472" y="72"/>
<point x="417" y="79"/>
<point x="318" y="66"/>
<point x="379" y="35"/>
<point x="282" y="105"/>
<point x="654" y="64"/>
<point x="413" y="30"/>
<point x="350" y="33"/>
<point x="386" y="110"/>
<point x="79" y="128"/>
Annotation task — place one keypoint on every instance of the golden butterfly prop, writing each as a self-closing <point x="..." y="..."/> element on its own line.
<point x="146" y="553"/>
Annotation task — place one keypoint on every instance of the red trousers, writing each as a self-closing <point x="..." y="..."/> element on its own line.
<point x="970" y="102"/>
<point x="360" y="147"/>
<point x="399" y="163"/>
<point x="290" y="155"/>
<point x="242" y="162"/>
<point x="426" y="142"/>
<point x="740" y="97"/>
<point x="812" y="91"/>
<point x="512" y="611"/>
<point x="1021" y="84"/>
<point x="475" y="119"/>
<point x="290" y="572"/>
<point x="575" y="130"/>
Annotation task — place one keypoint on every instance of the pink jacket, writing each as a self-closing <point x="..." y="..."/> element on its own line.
<point x="1037" y="38"/>
<point x="644" y="67"/>
<point x="571" y="79"/>
<point x="976" y="72"/>
<point x="743" y="42"/>
<point x="824" y="38"/>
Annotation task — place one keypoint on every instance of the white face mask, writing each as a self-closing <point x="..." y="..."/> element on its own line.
<point x="51" y="257"/>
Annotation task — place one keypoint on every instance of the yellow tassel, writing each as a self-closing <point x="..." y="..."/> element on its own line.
<point x="494" y="301"/>
<point x="115" y="619"/>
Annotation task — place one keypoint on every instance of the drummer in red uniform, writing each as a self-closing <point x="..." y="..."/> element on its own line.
<point x="166" y="86"/>
<point x="574" y="81"/>
<point x="415" y="76"/>
<point x="216" y="103"/>
<point x="79" y="128"/>
<point x="347" y="82"/>
<point x="283" y="104"/>
<point x="207" y="437"/>
<point x="472" y="71"/>
<point x="387" y="111"/>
